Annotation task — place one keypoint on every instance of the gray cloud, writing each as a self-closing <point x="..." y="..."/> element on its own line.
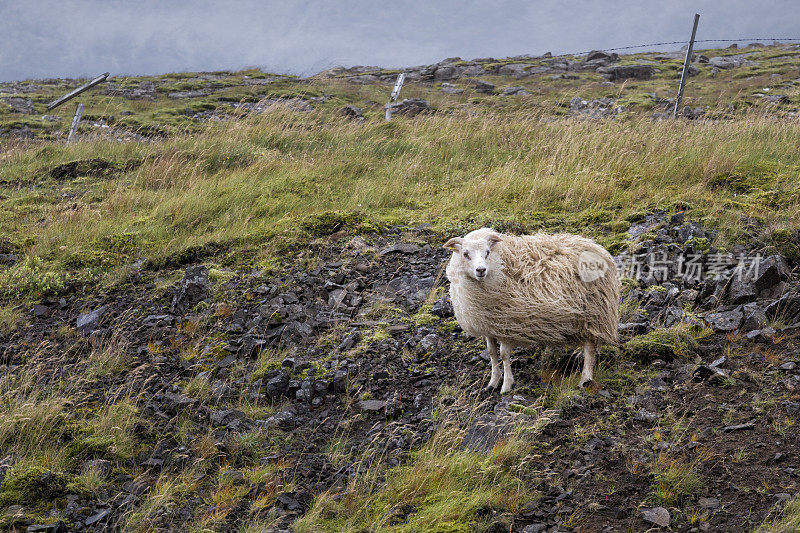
<point x="50" y="38"/>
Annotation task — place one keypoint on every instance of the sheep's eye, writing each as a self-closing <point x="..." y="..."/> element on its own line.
<point x="487" y="253"/>
<point x="466" y="255"/>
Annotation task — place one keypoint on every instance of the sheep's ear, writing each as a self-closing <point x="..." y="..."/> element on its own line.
<point x="454" y="243"/>
<point x="493" y="239"/>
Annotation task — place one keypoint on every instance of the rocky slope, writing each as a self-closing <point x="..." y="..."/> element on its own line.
<point x="262" y="390"/>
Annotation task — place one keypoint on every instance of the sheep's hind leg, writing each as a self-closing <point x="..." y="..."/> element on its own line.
<point x="508" y="377"/>
<point x="492" y="346"/>
<point x="589" y="354"/>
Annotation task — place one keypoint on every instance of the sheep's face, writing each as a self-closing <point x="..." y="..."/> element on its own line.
<point x="475" y="255"/>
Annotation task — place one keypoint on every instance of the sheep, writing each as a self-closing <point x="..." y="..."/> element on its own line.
<point x="544" y="290"/>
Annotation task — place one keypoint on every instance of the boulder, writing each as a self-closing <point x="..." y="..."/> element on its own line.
<point x="726" y="62"/>
<point x="20" y="105"/>
<point x="754" y="317"/>
<point x="771" y="271"/>
<point x="480" y="86"/>
<point x="193" y="288"/>
<point x="725" y="320"/>
<point x="410" y="107"/>
<point x="514" y="91"/>
<point x="518" y="70"/>
<point x="599" y="54"/>
<point x="624" y="72"/>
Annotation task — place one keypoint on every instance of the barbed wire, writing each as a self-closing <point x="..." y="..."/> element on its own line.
<point x="647" y="45"/>
<point x="775" y="40"/>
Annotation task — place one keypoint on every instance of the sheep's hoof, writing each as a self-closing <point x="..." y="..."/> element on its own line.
<point x="505" y="390"/>
<point x="490" y="388"/>
<point x="585" y="383"/>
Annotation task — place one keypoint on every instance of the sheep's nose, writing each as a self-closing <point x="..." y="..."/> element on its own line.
<point x="480" y="271"/>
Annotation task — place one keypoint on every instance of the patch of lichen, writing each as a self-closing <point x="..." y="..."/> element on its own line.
<point x="27" y="484"/>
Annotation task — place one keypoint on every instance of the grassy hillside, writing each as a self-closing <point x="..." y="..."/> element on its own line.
<point x="317" y="384"/>
<point x="241" y="192"/>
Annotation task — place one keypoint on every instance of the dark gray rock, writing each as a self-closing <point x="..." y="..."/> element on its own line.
<point x="340" y="381"/>
<point x="725" y="320"/>
<point x="449" y="88"/>
<point x="97" y="517"/>
<point x="192" y="289"/>
<point x="371" y="405"/>
<point x="657" y="515"/>
<point x="100" y="465"/>
<point x="754" y="317"/>
<point x="350" y="341"/>
<point x="786" y="308"/>
<point x="352" y="111"/>
<point x="742" y="290"/>
<point x="708" y="503"/>
<point x="599" y="54"/>
<point x="442" y="307"/>
<point x="40" y="311"/>
<point x="289" y="502"/>
<point x="711" y="374"/>
<point x="480" y="86"/>
<point x="514" y="91"/>
<point x="518" y="70"/>
<point x="410" y="107"/>
<point x="278" y="386"/>
<point x="632" y="328"/>
<point x="692" y="70"/>
<point x="233" y="477"/>
<point x="763" y="335"/>
<point x="8" y="259"/>
<point x="402" y="247"/>
<point x="88" y="322"/>
<point x="174" y="402"/>
<point x="286" y="419"/>
<point x="739" y="427"/>
<point x="771" y="271"/>
<point x="224" y="417"/>
<point x="624" y="72"/>
<point x="726" y="62"/>
<point x="20" y="105"/>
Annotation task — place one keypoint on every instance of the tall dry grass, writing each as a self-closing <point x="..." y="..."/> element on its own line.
<point x="240" y="184"/>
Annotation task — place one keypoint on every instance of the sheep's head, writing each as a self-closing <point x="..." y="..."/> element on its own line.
<point x="474" y="254"/>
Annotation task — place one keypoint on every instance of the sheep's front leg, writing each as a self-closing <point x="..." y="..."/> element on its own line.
<point x="492" y="346"/>
<point x="508" y="377"/>
<point x="587" y="375"/>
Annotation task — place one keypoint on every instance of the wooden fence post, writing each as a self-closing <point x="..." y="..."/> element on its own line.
<point x="686" y="63"/>
<point x="395" y="93"/>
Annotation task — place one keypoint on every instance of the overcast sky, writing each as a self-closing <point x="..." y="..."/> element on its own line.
<point x="69" y="38"/>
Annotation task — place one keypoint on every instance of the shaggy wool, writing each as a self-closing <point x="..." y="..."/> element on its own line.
<point x="537" y="295"/>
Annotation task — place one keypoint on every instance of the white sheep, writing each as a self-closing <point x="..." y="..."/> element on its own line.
<point x="544" y="290"/>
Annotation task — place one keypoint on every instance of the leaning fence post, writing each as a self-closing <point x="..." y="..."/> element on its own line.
<point x="395" y="93"/>
<point x="72" y="94"/>
<point x="75" y="121"/>
<point x="686" y="63"/>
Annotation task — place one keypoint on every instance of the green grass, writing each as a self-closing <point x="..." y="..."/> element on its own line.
<point x="242" y="192"/>
<point x="442" y="488"/>
<point x="788" y="520"/>
<point x="678" y="340"/>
